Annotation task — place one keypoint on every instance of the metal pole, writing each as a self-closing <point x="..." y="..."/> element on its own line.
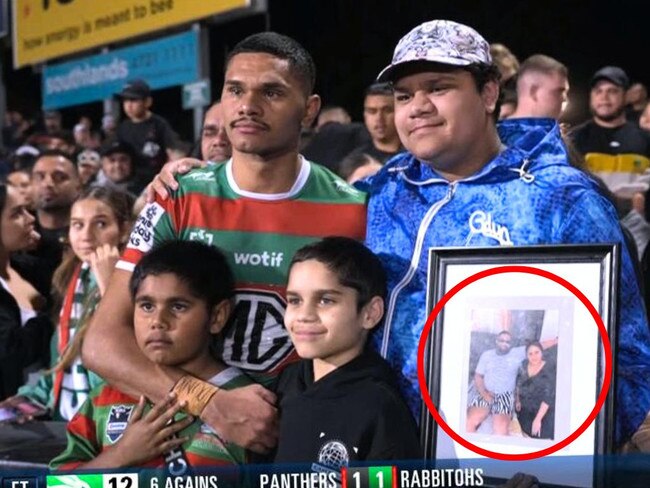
<point x="204" y="73"/>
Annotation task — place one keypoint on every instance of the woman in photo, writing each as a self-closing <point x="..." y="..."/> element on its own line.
<point x="535" y="394"/>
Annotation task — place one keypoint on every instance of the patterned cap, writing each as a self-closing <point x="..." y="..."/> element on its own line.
<point x="439" y="41"/>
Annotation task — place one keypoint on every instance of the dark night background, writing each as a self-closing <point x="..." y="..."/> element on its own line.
<point x="351" y="40"/>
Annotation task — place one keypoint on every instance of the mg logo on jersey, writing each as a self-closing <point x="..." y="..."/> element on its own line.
<point x="255" y="338"/>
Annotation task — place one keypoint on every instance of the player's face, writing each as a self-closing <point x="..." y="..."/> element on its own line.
<point x="172" y="326"/>
<point x="607" y="100"/>
<point x="442" y="119"/>
<point x="92" y="224"/>
<point x="504" y="343"/>
<point x="264" y="105"/>
<point x="322" y="316"/>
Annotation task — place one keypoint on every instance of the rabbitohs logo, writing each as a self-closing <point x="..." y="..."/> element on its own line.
<point x="118" y="419"/>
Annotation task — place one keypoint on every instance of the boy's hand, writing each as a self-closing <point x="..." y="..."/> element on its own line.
<point x="246" y="416"/>
<point x="167" y="177"/>
<point x="149" y="436"/>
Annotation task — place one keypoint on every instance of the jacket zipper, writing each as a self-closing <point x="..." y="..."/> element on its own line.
<point x="415" y="259"/>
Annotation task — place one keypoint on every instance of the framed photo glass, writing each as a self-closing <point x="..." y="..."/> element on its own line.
<point x="515" y="361"/>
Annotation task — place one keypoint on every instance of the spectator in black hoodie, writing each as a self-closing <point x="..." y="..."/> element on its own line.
<point x="341" y="403"/>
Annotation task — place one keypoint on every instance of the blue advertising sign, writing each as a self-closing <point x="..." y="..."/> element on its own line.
<point x="165" y="62"/>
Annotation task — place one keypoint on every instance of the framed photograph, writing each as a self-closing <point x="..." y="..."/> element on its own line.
<point x="515" y="360"/>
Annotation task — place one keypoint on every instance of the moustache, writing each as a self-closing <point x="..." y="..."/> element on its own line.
<point x="249" y="120"/>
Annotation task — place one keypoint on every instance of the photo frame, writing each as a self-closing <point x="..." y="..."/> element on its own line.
<point x="494" y="351"/>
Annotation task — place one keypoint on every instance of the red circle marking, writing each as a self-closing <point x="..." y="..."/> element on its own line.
<point x="603" y="337"/>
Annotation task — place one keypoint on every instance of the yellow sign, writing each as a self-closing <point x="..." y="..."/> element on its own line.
<point x="45" y="29"/>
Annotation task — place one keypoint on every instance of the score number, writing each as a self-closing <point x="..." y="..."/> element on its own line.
<point x="118" y="480"/>
<point x="372" y="477"/>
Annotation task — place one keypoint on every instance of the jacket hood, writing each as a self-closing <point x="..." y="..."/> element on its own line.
<point x="530" y="144"/>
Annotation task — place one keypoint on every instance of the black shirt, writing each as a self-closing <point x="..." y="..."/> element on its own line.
<point x="354" y="413"/>
<point x="149" y="140"/>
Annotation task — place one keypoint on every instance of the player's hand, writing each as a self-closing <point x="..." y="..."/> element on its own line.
<point x="521" y="480"/>
<point x="246" y="416"/>
<point x="167" y="177"/>
<point x="488" y="396"/>
<point x="149" y="436"/>
<point x="102" y="264"/>
<point x="536" y="428"/>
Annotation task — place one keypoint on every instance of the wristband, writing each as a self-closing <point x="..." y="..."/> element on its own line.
<point x="195" y="393"/>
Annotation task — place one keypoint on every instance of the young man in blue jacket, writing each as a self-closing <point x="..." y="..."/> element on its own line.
<point x="465" y="182"/>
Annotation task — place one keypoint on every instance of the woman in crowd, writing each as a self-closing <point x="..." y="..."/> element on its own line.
<point x="535" y="394"/>
<point x="100" y="222"/>
<point x="25" y="327"/>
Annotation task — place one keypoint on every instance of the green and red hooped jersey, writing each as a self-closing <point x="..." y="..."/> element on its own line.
<point x="100" y="422"/>
<point x="259" y="234"/>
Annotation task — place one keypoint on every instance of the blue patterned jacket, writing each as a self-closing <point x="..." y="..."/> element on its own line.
<point x="527" y="195"/>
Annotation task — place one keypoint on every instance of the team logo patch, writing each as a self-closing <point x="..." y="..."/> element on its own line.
<point x="332" y="456"/>
<point x="118" y="419"/>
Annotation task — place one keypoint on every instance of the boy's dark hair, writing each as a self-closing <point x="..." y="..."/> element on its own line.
<point x="203" y="268"/>
<point x="354" y="264"/>
<point x="282" y="47"/>
<point x="382" y="89"/>
<point x="482" y="74"/>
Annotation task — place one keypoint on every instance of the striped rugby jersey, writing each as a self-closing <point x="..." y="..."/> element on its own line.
<point x="102" y="419"/>
<point x="259" y="234"/>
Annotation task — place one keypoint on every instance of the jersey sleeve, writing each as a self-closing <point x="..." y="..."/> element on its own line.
<point x="153" y="226"/>
<point x="82" y="440"/>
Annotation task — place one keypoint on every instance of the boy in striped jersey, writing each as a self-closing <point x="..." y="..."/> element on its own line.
<point x="259" y="207"/>
<point x="178" y="306"/>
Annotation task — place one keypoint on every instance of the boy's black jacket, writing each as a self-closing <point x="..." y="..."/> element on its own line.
<point x="355" y="413"/>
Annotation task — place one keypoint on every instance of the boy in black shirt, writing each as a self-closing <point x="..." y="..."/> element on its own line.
<point x="148" y="135"/>
<point x="341" y="403"/>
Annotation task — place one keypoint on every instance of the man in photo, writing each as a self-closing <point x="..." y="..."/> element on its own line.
<point x="495" y="380"/>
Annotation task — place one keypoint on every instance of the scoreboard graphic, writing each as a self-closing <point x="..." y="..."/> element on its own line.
<point x="370" y="477"/>
<point x="113" y="480"/>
